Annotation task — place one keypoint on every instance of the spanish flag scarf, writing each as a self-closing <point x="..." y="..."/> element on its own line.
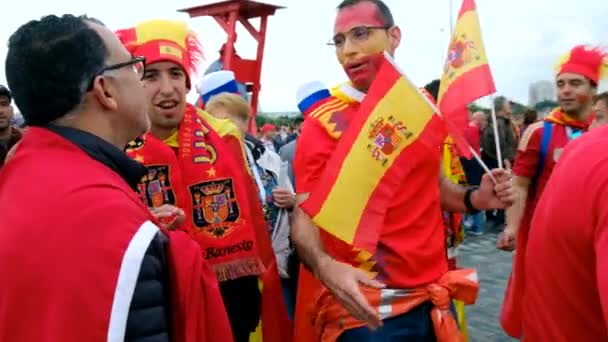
<point x="208" y="183"/>
<point x="557" y="116"/>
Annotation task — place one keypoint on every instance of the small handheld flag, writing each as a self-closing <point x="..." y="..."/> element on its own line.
<point x="310" y="95"/>
<point x="466" y="76"/>
<point x="215" y="83"/>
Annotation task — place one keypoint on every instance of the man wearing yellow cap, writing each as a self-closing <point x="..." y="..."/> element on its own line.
<point x="540" y="147"/>
<point x="195" y="164"/>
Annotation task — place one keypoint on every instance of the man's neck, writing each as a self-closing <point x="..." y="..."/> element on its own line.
<point x="582" y="115"/>
<point x="162" y="133"/>
<point x="96" y="126"/>
<point x="362" y="89"/>
<point x="5" y="134"/>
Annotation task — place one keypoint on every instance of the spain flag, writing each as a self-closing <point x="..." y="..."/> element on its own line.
<point x="395" y="127"/>
<point x="466" y="75"/>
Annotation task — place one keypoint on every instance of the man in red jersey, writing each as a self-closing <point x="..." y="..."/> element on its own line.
<point x="196" y="162"/>
<point x="567" y="299"/>
<point x="538" y="152"/>
<point x="411" y="251"/>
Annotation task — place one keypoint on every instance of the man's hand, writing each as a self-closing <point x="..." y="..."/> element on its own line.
<point x="494" y="196"/>
<point x="283" y="198"/>
<point x="506" y="239"/>
<point x="344" y="281"/>
<point x="169" y="216"/>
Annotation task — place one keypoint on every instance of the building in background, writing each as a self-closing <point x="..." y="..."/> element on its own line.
<point x="541" y="91"/>
<point x="542" y="97"/>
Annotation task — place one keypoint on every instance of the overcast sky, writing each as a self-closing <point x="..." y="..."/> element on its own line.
<point x="523" y="38"/>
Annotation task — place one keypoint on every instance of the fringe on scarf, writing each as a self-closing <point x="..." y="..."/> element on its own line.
<point x="239" y="268"/>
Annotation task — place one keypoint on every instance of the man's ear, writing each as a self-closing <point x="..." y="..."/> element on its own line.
<point x="394" y="36"/>
<point x="105" y="93"/>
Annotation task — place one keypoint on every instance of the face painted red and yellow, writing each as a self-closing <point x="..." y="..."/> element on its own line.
<point x="360" y="39"/>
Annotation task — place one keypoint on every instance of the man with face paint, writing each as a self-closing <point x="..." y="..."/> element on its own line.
<point x="541" y="146"/>
<point x="411" y="250"/>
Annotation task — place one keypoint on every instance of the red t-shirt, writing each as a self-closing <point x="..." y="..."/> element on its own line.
<point x="568" y="300"/>
<point x="526" y="165"/>
<point x="411" y="250"/>
<point x="528" y="155"/>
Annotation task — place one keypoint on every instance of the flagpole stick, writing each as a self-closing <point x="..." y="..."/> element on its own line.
<point x="481" y="163"/>
<point x="437" y="112"/>
<point x="496" y="136"/>
<point x="451" y="20"/>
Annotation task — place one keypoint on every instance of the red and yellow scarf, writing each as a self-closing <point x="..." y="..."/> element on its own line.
<point x="558" y="117"/>
<point x="211" y="186"/>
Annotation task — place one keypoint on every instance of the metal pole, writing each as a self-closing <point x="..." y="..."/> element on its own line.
<point x="451" y="20"/>
<point x="441" y="48"/>
<point x="496" y="136"/>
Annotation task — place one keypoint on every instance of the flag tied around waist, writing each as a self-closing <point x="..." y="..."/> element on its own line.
<point x="394" y="128"/>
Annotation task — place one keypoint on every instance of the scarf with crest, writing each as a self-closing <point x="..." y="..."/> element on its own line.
<point x="206" y="180"/>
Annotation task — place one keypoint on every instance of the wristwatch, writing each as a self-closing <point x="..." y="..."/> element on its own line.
<point x="467" y="200"/>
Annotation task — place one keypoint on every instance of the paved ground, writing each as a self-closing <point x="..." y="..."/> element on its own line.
<point x="493" y="267"/>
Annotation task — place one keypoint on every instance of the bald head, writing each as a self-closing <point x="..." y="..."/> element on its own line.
<point x="480" y="119"/>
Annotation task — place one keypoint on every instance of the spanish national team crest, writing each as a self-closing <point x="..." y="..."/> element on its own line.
<point x="462" y="52"/>
<point x="214" y="206"/>
<point x="386" y="135"/>
<point x="155" y="187"/>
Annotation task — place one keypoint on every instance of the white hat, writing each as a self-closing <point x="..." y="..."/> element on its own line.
<point x="310" y="93"/>
<point x="218" y="82"/>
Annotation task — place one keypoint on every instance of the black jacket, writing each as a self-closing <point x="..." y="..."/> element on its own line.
<point x="148" y="319"/>
<point x="149" y="313"/>
<point x="507" y="138"/>
<point x="6" y="146"/>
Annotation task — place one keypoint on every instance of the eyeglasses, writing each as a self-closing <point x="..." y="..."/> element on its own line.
<point x="138" y="64"/>
<point x="356" y="34"/>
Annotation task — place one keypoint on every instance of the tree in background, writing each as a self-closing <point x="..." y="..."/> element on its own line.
<point x="285" y="120"/>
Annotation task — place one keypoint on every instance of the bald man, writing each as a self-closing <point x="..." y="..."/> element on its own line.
<point x="472" y="170"/>
<point x="474" y="223"/>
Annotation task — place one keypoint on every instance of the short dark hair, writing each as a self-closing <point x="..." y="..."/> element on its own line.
<point x="601" y="97"/>
<point x="4" y="92"/>
<point x="530" y="116"/>
<point x="499" y="103"/>
<point x="383" y="10"/>
<point x="433" y="88"/>
<point x="50" y="63"/>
